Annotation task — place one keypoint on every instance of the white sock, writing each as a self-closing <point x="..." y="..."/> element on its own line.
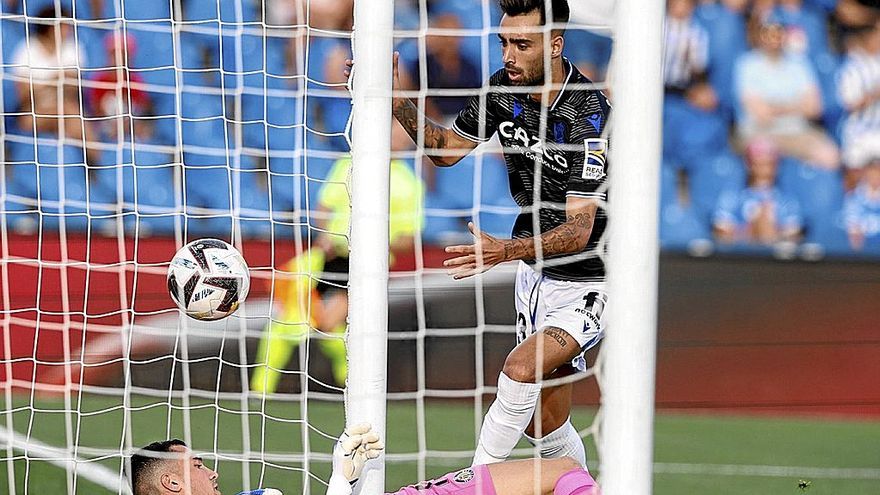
<point x="564" y="441"/>
<point x="506" y="420"/>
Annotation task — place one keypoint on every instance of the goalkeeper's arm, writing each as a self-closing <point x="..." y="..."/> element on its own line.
<point x="357" y="445"/>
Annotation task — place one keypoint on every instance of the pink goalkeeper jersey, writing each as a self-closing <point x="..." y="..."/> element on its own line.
<point x="471" y="481"/>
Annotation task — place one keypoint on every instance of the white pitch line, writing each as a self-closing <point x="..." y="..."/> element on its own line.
<point x="767" y="471"/>
<point x="96" y="473"/>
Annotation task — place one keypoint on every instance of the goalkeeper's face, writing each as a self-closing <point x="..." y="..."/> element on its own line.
<point x="195" y="477"/>
<point x="523" y="50"/>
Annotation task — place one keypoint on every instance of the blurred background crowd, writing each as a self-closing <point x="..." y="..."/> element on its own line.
<point x="238" y="109"/>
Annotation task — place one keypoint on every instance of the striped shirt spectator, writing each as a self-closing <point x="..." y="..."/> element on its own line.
<point x="861" y="210"/>
<point x="686" y="47"/>
<point x="859" y="93"/>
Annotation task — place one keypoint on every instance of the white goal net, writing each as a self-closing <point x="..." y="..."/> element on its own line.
<point x="130" y="128"/>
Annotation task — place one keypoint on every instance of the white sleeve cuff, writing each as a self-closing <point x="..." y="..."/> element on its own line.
<point x="467" y="136"/>
<point x="338" y="485"/>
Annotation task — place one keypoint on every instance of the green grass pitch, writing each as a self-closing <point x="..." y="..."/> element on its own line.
<point x="700" y="444"/>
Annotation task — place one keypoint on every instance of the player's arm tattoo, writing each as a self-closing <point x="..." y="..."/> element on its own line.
<point x="557" y="335"/>
<point x="570" y="237"/>
<point x="436" y="136"/>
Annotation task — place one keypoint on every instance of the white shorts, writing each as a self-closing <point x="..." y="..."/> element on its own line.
<point x="575" y="307"/>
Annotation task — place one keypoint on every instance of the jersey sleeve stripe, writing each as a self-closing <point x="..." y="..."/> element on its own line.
<point x="585" y="195"/>
<point x="465" y="135"/>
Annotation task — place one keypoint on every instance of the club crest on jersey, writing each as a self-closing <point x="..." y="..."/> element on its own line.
<point x="595" y="155"/>
<point x="559" y="132"/>
<point x="464" y="476"/>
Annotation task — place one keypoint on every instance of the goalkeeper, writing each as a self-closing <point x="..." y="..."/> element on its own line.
<point x="170" y="468"/>
<point x="302" y="301"/>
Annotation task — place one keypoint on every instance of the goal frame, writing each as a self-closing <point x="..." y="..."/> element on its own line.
<point x="367" y="340"/>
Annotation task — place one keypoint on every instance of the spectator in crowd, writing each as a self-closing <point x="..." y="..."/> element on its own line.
<point x="45" y="68"/>
<point x="445" y="67"/>
<point x="118" y="92"/>
<point x="779" y="98"/>
<point x="760" y="213"/>
<point x="858" y="88"/>
<point x="857" y="13"/>
<point x="686" y="47"/>
<point x="861" y="210"/>
<point x="806" y="28"/>
<point x="693" y="125"/>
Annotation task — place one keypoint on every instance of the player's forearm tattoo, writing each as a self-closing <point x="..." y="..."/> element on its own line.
<point x="408" y="115"/>
<point x="564" y="239"/>
<point x="557" y="335"/>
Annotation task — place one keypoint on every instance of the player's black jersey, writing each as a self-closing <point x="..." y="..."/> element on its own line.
<point x="572" y="157"/>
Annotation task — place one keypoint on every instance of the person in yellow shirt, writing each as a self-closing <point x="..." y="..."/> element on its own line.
<point x="310" y="292"/>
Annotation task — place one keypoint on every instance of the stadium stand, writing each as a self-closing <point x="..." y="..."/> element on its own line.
<point x="229" y="103"/>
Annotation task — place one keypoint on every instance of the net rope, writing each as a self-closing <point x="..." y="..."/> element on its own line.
<point x="129" y="363"/>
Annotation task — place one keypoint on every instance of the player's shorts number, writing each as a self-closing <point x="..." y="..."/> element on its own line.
<point x="521" y="327"/>
<point x="594" y="303"/>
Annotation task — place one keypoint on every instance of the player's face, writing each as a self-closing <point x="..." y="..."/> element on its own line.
<point x="198" y="479"/>
<point x="522" y="49"/>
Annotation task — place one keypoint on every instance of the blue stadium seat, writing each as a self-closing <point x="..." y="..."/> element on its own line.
<point x="717" y="173"/>
<point x="586" y="47"/>
<point x="12" y="33"/>
<point x="56" y="169"/>
<point x="668" y="184"/>
<point x="251" y="203"/>
<point x="238" y="11"/>
<point x="90" y="38"/>
<point x="498" y="211"/>
<point x="156" y="204"/>
<point x="19" y="206"/>
<point x="139" y="10"/>
<point x="207" y="195"/>
<point x="450" y="204"/>
<point x="680" y="225"/>
<point x="155" y="44"/>
<point x="243" y="54"/>
<point x="820" y="194"/>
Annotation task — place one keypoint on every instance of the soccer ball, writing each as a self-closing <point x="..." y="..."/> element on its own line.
<point x="208" y="279"/>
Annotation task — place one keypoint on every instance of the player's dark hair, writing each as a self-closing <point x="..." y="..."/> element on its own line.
<point x="46" y="19"/>
<point x="143" y="462"/>
<point x="559" y="9"/>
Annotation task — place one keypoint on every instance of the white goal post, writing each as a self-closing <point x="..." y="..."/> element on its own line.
<point x="97" y="362"/>
<point x="629" y="350"/>
<point x="368" y="276"/>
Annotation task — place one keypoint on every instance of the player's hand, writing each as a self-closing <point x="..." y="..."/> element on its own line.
<point x="262" y="491"/>
<point x="395" y="74"/>
<point x="486" y="252"/>
<point x="357" y="445"/>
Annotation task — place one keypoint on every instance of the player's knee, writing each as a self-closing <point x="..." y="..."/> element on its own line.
<point x="519" y="369"/>
<point x="567" y="464"/>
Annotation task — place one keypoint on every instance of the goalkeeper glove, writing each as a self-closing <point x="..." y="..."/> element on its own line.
<point x="357" y="445"/>
<point x="262" y="491"/>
